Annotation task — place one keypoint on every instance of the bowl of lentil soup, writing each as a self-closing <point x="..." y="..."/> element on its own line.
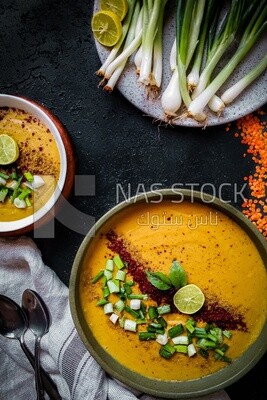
<point x="124" y="284"/>
<point x="39" y="172"/>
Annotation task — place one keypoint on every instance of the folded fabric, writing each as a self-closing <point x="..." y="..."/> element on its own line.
<point x="77" y="375"/>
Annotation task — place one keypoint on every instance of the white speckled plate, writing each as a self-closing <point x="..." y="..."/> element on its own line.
<point x="250" y="100"/>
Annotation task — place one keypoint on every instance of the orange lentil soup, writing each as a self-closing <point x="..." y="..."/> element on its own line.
<point x="38" y="154"/>
<point x="216" y="254"/>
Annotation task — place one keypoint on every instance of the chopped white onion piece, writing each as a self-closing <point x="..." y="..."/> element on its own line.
<point x="108" y="308"/>
<point x="130" y="325"/>
<point x="135" y="304"/>
<point x="180" y="339"/>
<point x="114" y="318"/>
<point x="19" y="203"/>
<point x="36" y="183"/>
<point x="162" y="339"/>
<point x="2" y="181"/>
<point x="191" y="351"/>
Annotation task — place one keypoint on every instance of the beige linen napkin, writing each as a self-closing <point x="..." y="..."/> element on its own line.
<point x="77" y="375"/>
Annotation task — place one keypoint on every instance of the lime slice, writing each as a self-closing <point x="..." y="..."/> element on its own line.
<point x="9" y="150"/>
<point x="106" y="27"/>
<point x="119" y="7"/>
<point x="189" y="299"/>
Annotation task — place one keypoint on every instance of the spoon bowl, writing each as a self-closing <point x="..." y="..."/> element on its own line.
<point x="13" y="320"/>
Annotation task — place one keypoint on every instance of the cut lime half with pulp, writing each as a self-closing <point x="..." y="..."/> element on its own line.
<point x="106" y="27"/>
<point x="189" y="299"/>
<point x="9" y="150"/>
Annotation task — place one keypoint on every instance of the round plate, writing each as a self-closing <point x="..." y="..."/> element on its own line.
<point x="250" y="100"/>
<point x="162" y="388"/>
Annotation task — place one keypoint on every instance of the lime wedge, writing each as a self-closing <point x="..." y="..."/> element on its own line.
<point x="119" y="7"/>
<point x="106" y="27"/>
<point x="189" y="299"/>
<point x="9" y="150"/>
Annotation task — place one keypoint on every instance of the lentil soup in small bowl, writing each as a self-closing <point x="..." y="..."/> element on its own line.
<point x="168" y="292"/>
<point x="36" y="164"/>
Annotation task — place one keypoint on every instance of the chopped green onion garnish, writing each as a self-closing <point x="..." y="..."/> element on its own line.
<point x="175" y="330"/>
<point x="227" y="334"/>
<point x="106" y="292"/>
<point x="24" y="193"/>
<point x="152" y="312"/>
<point x="181" y="348"/>
<point x="147" y="336"/>
<point x="162" y="322"/>
<point x="27" y="201"/>
<point x="119" y="305"/>
<point x="128" y="289"/>
<point x="113" y="285"/>
<point x="108" y="274"/>
<point x="28" y="176"/>
<point x="98" y="276"/>
<point x="180" y="339"/>
<point x="165" y="309"/>
<point x="118" y="261"/>
<point x="3" y="175"/>
<point x="130" y="325"/>
<point x="190" y="325"/>
<point x="133" y="313"/>
<point x="167" y="351"/>
<point x="108" y="308"/>
<point x="3" y="194"/>
<point x="102" y="302"/>
<point x="109" y="265"/>
<point x="120" y="275"/>
<point x="135" y="304"/>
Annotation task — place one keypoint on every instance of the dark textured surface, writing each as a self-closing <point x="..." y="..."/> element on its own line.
<point x="48" y="55"/>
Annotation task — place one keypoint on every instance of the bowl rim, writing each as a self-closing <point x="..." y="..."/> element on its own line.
<point x="46" y="117"/>
<point x="168" y="389"/>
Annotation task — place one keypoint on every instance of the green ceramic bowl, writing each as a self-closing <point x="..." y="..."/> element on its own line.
<point x="161" y="388"/>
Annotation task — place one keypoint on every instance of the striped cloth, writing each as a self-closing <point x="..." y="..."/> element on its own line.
<point x="77" y="375"/>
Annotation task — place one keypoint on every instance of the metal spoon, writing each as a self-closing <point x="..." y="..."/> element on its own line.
<point x="13" y="325"/>
<point x="39" y="323"/>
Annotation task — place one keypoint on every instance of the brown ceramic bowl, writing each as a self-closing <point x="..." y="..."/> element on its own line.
<point x="67" y="165"/>
<point x="163" y="388"/>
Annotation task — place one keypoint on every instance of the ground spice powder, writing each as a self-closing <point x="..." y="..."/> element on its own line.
<point x="252" y="131"/>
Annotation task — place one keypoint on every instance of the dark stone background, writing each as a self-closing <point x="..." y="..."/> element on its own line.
<point x="48" y="54"/>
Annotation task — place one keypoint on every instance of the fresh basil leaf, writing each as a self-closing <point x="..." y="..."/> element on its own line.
<point x="177" y="275"/>
<point x="159" y="280"/>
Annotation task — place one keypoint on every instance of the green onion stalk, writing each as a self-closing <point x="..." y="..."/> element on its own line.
<point x="157" y="68"/>
<point x="211" y="9"/>
<point x="132" y="41"/>
<point x="152" y="23"/>
<point x="234" y="91"/>
<point x="118" y="46"/>
<point x="252" y="33"/>
<point x="184" y="14"/>
<point x="220" y="43"/>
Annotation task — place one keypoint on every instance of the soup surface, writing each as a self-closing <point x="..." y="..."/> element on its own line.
<point x="217" y="256"/>
<point x="38" y="154"/>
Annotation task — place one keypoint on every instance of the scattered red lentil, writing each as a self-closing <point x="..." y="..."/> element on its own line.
<point x="252" y="132"/>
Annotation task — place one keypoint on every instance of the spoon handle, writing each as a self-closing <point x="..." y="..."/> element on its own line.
<point x="38" y="378"/>
<point x="48" y="383"/>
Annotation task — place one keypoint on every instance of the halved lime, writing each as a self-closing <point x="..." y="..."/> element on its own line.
<point x="106" y="27"/>
<point x="119" y="7"/>
<point x="189" y="299"/>
<point x="9" y="150"/>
